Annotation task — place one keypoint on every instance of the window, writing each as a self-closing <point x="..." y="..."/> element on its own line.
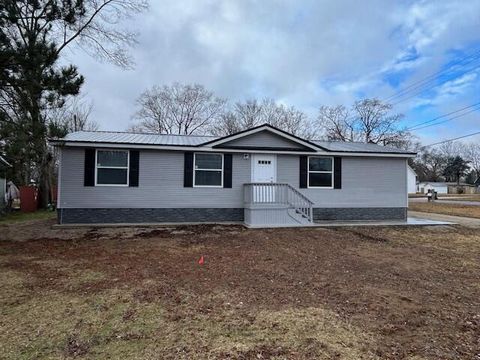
<point x="112" y="167"/>
<point x="208" y="170"/>
<point x="320" y="172"/>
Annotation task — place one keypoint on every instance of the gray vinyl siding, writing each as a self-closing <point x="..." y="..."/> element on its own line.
<point x="366" y="182"/>
<point x="160" y="184"/>
<point x="264" y="139"/>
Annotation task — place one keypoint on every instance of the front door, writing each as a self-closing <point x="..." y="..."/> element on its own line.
<point x="264" y="170"/>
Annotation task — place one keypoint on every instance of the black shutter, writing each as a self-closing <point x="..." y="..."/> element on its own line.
<point x="89" y="168"/>
<point x="134" y="168"/>
<point x="188" y="170"/>
<point x="337" y="172"/>
<point x="303" y="171"/>
<point x="227" y="170"/>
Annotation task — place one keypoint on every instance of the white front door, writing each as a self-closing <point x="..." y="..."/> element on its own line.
<point x="264" y="170"/>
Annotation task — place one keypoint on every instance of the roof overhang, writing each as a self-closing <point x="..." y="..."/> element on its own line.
<point x="264" y="127"/>
<point x="116" y="145"/>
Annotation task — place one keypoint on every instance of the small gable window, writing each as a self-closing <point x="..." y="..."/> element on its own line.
<point x="320" y="172"/>
<point x="208" y="170"/>
<point x="111" y="167"/>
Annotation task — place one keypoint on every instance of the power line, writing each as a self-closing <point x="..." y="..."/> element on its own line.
<point x="432" y="77"/>
<point x="418" y="127"/>
<point x="449" y="140"/>
<point x="429" y="88"/>
<point x="444" y="115"/>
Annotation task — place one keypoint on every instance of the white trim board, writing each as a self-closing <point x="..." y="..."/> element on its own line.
<point x="216" y="150"/>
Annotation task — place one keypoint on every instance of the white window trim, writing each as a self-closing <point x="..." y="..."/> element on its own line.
<point x="321" y="172"/>
<point x="112" y="167"/>
<point x="195" y="169"/>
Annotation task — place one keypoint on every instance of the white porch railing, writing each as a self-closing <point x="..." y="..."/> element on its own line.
<point x="278" y="194"/>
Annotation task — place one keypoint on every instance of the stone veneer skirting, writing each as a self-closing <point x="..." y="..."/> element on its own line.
<point x="173" y="215"/>
<point x="365" y="214"/>
<point x="153" y="215"/>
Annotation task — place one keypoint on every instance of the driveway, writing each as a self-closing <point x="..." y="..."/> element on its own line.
<point x="465" y="221"/>
<point x="459" y="202"/>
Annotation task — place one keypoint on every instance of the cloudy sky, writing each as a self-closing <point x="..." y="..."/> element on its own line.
<point x="303" y="53"/>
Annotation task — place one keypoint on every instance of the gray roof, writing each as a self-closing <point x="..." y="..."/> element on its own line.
<point x="434" y="183"/>
<point x="133" y="138"/>
<point x="357" y="147"/>
<point x="196" y="140"/>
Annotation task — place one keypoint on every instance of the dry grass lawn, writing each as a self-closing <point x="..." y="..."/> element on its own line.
<point x="347" y="293"/>
<point x="472" y="211"/>
<point x="471" y="197"/>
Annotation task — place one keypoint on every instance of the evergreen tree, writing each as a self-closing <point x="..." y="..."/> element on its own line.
<point x="33" y="33"/>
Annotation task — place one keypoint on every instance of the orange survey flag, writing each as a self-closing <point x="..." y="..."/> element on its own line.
<point x="201" y="261"/>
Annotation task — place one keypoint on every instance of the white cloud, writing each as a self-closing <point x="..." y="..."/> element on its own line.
<point x="302" y="53"/>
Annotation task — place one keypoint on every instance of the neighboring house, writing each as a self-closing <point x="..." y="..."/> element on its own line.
<point x="439" y="187"/>
<point x="411" y="180"/>
<point x="3" y="182"/>
<point x="262" y="177"/>
<point x="462" y="188"/>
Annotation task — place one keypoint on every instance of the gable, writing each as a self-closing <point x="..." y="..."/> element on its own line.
<point x="263" y="140"/>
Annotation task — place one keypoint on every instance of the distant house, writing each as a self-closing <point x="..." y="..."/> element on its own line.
<point x="439" y="187"/>
<point x="462" y="188"/>
<point x="411" y="180"/>
<point x="262" y="176"/>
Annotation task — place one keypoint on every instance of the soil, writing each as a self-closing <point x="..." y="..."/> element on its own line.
<point x="413" y="292"/>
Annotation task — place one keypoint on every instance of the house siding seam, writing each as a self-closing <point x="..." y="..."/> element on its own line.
<point x="157" y="215"/>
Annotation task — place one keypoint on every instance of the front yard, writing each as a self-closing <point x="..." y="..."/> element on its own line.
<point x="346" y="293"/>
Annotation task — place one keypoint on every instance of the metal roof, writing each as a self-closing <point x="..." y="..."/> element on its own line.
<point x="196" y="140"/>
<point x="134" y="138"/>
<point x="358" y="147"/>
<point x="434" y="183"/>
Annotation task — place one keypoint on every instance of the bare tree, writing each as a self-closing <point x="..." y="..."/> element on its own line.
<point x="368" y="120"/>
<point x="472" y="154"/>
<point x="73" y="116"/>
<point x="337" y="123"/>
<point x="98" y="31"/>
<point x="178" y="109"/>
<point x="452" y="149"/>
<point x="250" y="113"/>
<point x="430" y="165"/>
<point x="227" y="124"/>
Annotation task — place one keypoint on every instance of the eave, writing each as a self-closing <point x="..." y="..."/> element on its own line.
<point x="119" y="145"/>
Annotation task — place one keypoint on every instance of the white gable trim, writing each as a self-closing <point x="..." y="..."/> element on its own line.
<point x="263" y="128"/>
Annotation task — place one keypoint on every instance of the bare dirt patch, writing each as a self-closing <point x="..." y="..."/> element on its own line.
<point x="363" y="293"/>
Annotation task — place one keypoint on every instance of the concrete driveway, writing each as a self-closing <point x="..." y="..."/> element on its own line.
<point x="442" y="201"/>
<point x="464" y="221"/>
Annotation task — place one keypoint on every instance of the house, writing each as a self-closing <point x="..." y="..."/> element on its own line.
<point x="462" y="188"/>
<point x="411" y="180"/>
<point x="439" y="187"/>
<point x="3" y="182"/>
<point x="262" y="177"/>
